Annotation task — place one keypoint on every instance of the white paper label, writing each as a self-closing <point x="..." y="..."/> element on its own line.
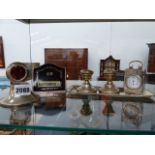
<point x="22" y="90"/>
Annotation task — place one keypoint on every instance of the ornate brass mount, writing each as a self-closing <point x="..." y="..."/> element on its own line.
<point x="86" y="86"/>
<point x="109" y="87"/>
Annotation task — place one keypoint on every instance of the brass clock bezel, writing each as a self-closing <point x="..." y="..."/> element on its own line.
<point x="15" y="64"/>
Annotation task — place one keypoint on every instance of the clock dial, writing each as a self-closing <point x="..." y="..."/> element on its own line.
<point x="134" y="81"/>
<point x="18" y="72"/>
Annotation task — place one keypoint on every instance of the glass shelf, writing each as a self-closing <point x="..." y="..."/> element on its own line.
<point x="109" y="115"/>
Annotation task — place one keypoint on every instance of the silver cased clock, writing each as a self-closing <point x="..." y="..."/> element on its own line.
<point x="20" y="93"/>
<point x="134" y="79"/>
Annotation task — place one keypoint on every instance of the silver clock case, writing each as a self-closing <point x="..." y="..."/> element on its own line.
<point x="14" y="100"/>
<point x="17" y="101"/>
<point x="134" y="81"/>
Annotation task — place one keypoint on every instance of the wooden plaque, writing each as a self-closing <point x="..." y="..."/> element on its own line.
<point x="2" y="60"/>
<point x="73" y="59"/>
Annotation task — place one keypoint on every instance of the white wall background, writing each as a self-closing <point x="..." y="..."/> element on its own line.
<point x="16" y="42"/>
<point x="124" y="40"/>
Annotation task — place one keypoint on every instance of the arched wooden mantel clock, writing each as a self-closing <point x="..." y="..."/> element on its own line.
<point x="105" y="62"/>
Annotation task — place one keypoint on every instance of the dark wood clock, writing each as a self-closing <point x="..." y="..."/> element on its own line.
<point x="112" y="63"/>
<point x="151" y="58"/>
<point x="2" y="61"/>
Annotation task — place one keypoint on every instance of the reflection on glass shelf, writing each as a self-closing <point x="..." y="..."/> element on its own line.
<point x="132" y="115"/>
<point x="71" y="118"/>
<point x="108" y="116"/>
<point x="16" y="116"/>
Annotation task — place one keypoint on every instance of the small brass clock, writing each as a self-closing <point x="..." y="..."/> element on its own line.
<point x="134" y="78"/>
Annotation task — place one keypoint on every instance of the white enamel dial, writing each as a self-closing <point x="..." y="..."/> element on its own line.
<point x="134" y="81"/>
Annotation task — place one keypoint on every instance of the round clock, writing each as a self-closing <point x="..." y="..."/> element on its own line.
<point x="17" y="72"/>
<point x="134" y="79"/>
